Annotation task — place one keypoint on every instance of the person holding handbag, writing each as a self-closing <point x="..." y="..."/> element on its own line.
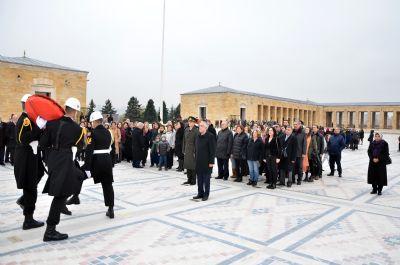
<point x="378" y="152"/>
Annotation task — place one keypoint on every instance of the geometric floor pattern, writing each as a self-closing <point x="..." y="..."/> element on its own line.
<point x="331" y="221"/>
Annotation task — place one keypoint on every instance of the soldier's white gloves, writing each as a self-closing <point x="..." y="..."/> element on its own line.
<point x="40" y="122"/>
<point x="34" y="145"/>
<point x="89" y="175"/>
<point x="74" y="150"/>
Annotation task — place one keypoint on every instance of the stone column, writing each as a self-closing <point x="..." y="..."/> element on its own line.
<point x="369" y="120"/>
<point x="345" y="119"/>
<point x="334" y="118"/>
<point x="357" y="122"/>
<point x="381" y="120"/>
<point x="394" y="121"/>
<point x="292" y="116"/>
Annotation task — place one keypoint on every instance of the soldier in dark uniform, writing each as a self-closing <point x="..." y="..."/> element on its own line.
<point x="189" y="150"/>
<point x="26" y="168"/>
<point x="64" y="178"/>
<point x="98" y="160"/>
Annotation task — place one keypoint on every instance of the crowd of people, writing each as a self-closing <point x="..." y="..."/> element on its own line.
<point x="286" y="154"/>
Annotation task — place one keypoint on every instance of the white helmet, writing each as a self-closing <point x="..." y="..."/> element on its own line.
<point x="73" y="103"/>
<point x="95" y="116"/>
<point x="25" y="98"/>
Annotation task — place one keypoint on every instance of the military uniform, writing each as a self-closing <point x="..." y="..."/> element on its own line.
<point x="64" y="178"/>
<point x="189" y="151"/>
<point x="98" y="161"/>
<point x="28" y="167"/>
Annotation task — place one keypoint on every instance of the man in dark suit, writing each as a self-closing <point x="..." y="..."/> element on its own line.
<point x="288" y="157"/>
<point x="11" y="139"/>
<point x="205" y="156"/>
<point x="3" y="127"/>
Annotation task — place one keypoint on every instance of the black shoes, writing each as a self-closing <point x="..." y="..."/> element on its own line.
<point x="73" y="200"/>
<point x="330" y="174"/>
<point x="289" y="184"/>
<point x="238" y="180"/>
<point x="31" y="223"/>
<point x="52" y="235"/>
<point x="219" y="177"/>
<point x="250" y="183"/>
<point x="340" y="175"/>
<point x="373" y="192"/>
<point x="204" y="198"/>
<point x="20" y="202"/>
<point x="66" y="211"/>
<point x="197" y="197"/>
<point x="271" y="186"/>
<point x="298" y="182"/>
<point x="186" y="183"/>
<point x="281" y="184"/>
<point x="379" y="193"/>
<point x="110" y="212"/>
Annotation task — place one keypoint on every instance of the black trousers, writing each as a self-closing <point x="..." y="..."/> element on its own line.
<point x="10" y="153"/>
<point x="223" y="167"/>
<point x="272" y="169"/>
<point x="377" y="187"/>
<point x="298" y="168"/>
<point x="144" y="158"/>
<point x="108" y="193"/>
<point x="203" y="184"/>
<point x="191" y="175"/>
<point x="240" y="168"/>
<point x="29" y="200"/>
<point x="170" y="158"/>
<point x="2" y="149"/>
<point x="57" y="205"/>
<point x="335" y="158"/>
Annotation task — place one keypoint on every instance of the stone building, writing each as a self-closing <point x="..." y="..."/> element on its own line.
<point x="219" y="103"/>
<point x="23" y="75"/>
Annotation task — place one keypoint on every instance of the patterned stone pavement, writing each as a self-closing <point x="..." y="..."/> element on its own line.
<point x="333" y="221"/>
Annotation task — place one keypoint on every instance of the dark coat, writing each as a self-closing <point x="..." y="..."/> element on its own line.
<point x="212" y="130"/>
<point x="255" y="149"/>
<point x="272" y="148"/>
<point x="128" y="144"/>
<point x="239" y="148"/>
<point x="178" y="142"/>
<point x="224" y="144"/>
<point x="100" y="165"/>
<point x="377" y="173"/>
<point x="11" y="135"/>
<point x="64" y="178"/>
<point x="189" y="147"/>
<point x="3" y="127"/>
<point x="138" y="144"/>
<point x="27" y="169"/>
<point x="205" y="153"/>
<point x="301" y="142"/>
<point x="290" y="145"/>
<point x="336" y="144"/>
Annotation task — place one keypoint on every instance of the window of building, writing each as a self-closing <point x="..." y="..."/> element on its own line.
<point x="48" y="94"/>
<point x="203" y="112"/>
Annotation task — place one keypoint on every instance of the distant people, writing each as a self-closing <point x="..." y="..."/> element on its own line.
<point x="378" y="153"/>
<point x="189" y="150"/>
<point x="272" y="153"/>
<point x="239" y="150"/>
<point x="170" y="137"/>
<point x="116" y="135"/>
<point x="11" y="139"/>
<point x="3" y="127"/>
<point x="179" y="131"/>
<point x="361" y="133"/>
<point x="321" y="147"/>
<point x="223" y="150"/>
<point x="301" y="147"/>
<point x="147" y="142"/>
<point x="154" y="157"/>
<point x="138" y="145"/>
<point x="288" y="157"/>
<point x="255" y="149"/>
<point x="336" y="144"/>
<point x="371" y="136"/>
<point x="205" y="156"/>
<point x="163" y="148"/>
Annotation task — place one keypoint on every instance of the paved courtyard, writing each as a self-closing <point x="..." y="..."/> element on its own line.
<point x="333" y="220"/>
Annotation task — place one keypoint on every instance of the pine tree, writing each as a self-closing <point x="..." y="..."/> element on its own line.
<point x="108" y="108"/>
<point x="165" y="112"/>
<point x="150" y="113"/>
<point x="91" y="108"/>
<point x="171" y="113"/>
<point x="133" y="111"/>
<point x="177" y="112"/>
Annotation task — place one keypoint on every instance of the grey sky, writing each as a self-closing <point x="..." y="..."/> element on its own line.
<point x="325" y="51"/>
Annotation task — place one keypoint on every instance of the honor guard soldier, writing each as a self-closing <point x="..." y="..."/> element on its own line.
<point x="61" y="137"/>
<point x="28" y="168"/>
<point x="98" y="160"/>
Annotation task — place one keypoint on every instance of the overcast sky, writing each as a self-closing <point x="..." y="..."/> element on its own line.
<point x="325" y="51"/>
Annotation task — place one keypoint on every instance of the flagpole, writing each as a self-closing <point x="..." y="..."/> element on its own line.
<point x="162" y="68"/>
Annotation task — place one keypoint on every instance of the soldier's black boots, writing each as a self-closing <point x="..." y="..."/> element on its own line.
<point x="52" y="235"/>
<point x="66" y="211"/>
<point x="31" y="223"/>
<point x="73" y="200"/>
<point x="110" y="212"/>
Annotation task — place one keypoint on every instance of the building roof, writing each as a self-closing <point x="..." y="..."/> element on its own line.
<point x="223" y="89"/>
<point x="33" y="62"/>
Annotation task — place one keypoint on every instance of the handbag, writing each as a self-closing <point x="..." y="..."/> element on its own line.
<point x="388" y="160"/>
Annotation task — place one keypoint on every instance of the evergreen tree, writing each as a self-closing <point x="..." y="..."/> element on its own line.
<point x="165" y="112"/>
<point x="91" y="108"/>
<point x="177" y="112"/>
<point x="108" y="108"/>
<point x="171" y="113"/>
<point x="133" y="111"/>
<point x="150" y="113"/>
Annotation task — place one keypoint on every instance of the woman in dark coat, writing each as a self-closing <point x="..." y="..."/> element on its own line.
<point x="378" y="153"/>
<point x="128" y="142"/>
<point x="239" y="150"/>
<point x="272" y="154"/>
<point x="178" y="144"/>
